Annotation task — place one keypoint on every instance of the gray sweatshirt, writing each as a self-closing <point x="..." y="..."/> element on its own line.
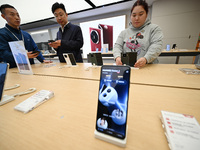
<point x="145" y="40"/>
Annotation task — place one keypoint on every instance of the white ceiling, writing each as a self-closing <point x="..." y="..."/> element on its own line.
<point x="35" y="10"/>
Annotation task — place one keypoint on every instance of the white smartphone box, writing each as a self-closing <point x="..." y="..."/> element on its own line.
<point x="182" y="131"/>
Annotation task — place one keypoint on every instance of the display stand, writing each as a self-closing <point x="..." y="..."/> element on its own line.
<point x="110" y="139"/>
<point x="67" y="66"/>
<point x="134" y="68"/>
<point x="21" y="58"/>
<point x="95" y="66"/>
<point x="6" y="99"/>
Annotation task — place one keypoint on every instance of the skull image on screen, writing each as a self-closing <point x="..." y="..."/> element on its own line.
<point x="108" y="95"/>
<point x="119" y="116"/>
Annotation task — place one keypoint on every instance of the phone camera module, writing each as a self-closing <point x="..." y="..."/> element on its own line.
<point x="124" y="55"/>
<point x="94" y="36"/>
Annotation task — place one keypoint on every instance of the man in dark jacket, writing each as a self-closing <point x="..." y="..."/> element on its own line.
<point x="12" y="32"/>
<point x="69" y="37"/>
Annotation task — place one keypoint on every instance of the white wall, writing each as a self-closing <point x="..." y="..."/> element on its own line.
<point x="180" y="22"/>
<point x="40" y="37"/>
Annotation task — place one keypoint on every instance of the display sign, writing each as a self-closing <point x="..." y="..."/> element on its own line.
<point x="20" y="56"/>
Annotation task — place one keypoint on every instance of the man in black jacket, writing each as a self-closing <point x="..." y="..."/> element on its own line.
<point x="69" y="37"/>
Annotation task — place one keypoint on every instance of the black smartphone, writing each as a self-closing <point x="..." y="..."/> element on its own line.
<point x="3" y="72"/>
<point x="173" y="46"/>
<point x="129" y="58"/>
<point x="96" y="59"/>
<point x="72" y="59"/>
<point x="113" y="97"/>
<point x="33" y="52"/>
<point x="69" y="58"/>
<point x="50" y="41"/>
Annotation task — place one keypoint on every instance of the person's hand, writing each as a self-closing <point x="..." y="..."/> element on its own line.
<point x="140" y="62"/>
<point x="118" y="61"/>
<point x="55" y="44"/>
<point x="47" y="61"/>
<point x="30" y="55"/>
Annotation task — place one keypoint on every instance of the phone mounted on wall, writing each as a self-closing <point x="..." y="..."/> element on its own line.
<point x="107" y="35"/>
<point x="95" y="39"/>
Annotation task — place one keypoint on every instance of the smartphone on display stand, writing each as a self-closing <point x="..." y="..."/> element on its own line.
<point x="113" y="97"/>
<point x="96" y="59"/>
<point x="69" y="58"/>
<point x="3" y="71"/>
<point x="129" y="58"/>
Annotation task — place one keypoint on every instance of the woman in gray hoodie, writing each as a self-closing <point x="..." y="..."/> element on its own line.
<point x="142" y="36"/>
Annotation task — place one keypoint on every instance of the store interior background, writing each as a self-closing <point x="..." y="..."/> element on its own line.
<point x="179" y="20"/>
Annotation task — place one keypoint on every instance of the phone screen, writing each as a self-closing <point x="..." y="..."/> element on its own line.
<point x="113" y="100"/>
<point x="3" y="70"/>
